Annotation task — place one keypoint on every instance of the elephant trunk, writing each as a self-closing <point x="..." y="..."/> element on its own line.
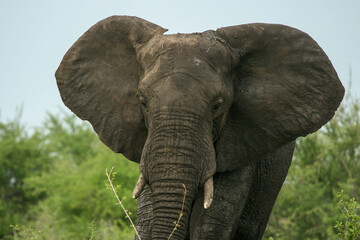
<point x="172" y="207"/>
<point x="178" y="153"/>
<point x="168" y="182"/>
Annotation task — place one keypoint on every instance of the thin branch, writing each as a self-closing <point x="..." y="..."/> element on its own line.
<point x="346" y="167"/>
<point x="180" y="215"/>
<point x="117" y="197"/>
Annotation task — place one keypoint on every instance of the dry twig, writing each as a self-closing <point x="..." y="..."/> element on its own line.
<point x="117" y="197"/>
<point x="180" y="215"/>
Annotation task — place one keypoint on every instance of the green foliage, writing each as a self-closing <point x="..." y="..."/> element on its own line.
<point x="53" y="183"/>
<point x="349" y="228"/>
<point x="21" y="156"/>
<point x="324" y="163"/>
<point x="29" y="233"/>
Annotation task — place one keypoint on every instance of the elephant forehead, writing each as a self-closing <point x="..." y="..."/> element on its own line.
<point x="185" y="50"/>
<point x="164" y="43"/>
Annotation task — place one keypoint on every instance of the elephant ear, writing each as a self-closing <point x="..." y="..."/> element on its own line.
<point x="285" y="87"/>
<point x="98" y="79"/>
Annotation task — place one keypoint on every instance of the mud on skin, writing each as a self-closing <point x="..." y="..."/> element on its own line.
<point x="217" y="111"/>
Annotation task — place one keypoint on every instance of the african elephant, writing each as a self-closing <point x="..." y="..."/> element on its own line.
<point x="217" y="111"/>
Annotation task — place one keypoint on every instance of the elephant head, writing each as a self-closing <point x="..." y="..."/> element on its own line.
<point x="185" y="106"/>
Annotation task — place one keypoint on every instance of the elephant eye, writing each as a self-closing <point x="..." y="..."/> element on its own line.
<point x="217" y="106"/>
<point x="142" y="100"/>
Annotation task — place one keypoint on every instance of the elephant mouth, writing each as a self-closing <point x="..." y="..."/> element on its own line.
<point x="208" y="190"/>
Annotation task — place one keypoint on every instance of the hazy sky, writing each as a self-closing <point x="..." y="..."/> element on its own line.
<point x="34" y="36"/>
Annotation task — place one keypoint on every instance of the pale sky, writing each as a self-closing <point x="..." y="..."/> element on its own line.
<point x="35" y="34"/>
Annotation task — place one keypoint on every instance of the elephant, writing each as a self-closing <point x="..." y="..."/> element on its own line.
<point x="216" y="113"/>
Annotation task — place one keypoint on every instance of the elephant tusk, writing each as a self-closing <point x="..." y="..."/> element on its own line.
<point x="208" y="192"/>
<point x="139" y="186"/>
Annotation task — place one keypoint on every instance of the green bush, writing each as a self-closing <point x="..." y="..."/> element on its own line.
<point x="54" y="181"/>
<point x="349" y="227"/>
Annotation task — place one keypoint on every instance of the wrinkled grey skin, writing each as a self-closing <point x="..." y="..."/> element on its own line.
<point x="225" y="105"/>
<point x="243" y="200"/>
